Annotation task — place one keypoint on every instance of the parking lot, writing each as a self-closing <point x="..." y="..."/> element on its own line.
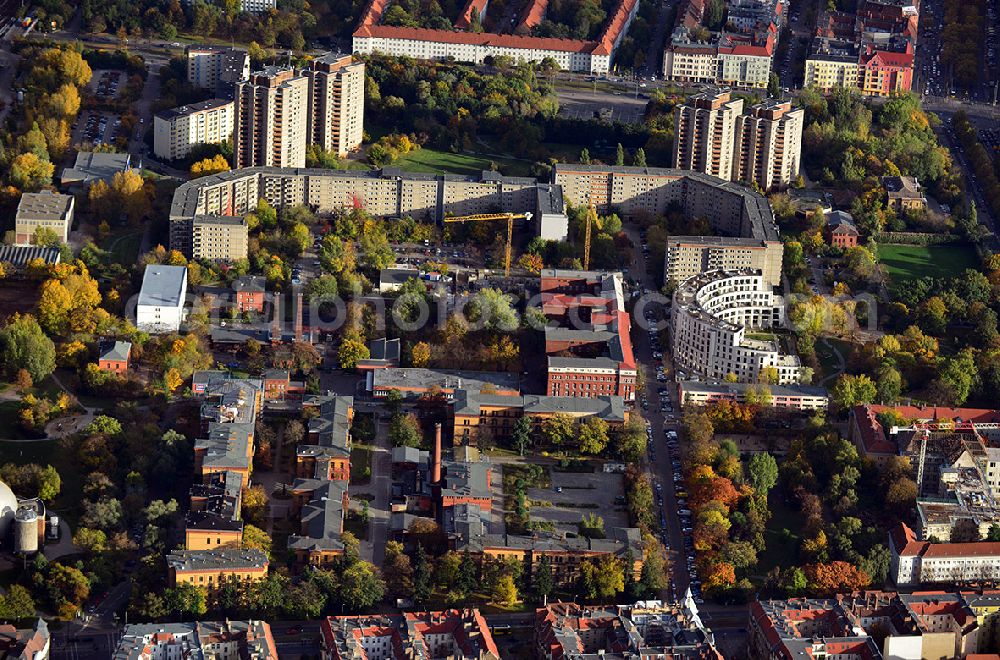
<point x="574" y="495"/>
<point x="96" y="127"/>
<point x="106" y="84"/>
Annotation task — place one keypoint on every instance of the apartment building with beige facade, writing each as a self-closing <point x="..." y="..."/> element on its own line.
<point x="744" y="216"/>
<point x="217" y="68"/>
<point x="388" y="192"/>
<point x="43" y="210"/>
<point x="178" y="130"/>
<point x="219" y="238"/>
<point x="271" y="119"/>
<point x="736" y="60"/>
<point x="768" y="145"/>
<point x="704" y="132"/>
<point x="336" y="102"/>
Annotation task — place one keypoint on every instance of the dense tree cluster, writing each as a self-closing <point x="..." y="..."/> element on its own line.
<point x="985" y="168"/>
<point x="962" y="39"/>
<point x="847" y="142"/>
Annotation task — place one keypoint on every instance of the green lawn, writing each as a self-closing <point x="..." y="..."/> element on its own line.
<point x="910" y="262"/>
<point x="780" y="550"/>
<point x="434" y="162"/>
<point x="124" y="248"/>
<point x="361" y="464"/>
<point x="49" y="452"/>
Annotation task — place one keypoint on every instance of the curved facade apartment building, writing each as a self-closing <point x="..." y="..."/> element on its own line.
<point x="712" y="322"/>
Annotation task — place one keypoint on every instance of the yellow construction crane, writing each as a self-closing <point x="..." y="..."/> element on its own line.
<point x="591" y="219"/>
<point x="488" y="217"/>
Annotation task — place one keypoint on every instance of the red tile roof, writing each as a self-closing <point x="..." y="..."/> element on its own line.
<point x="977" y="549"/>
<point x="534" y="14"/>
<point x="887" y="58"/>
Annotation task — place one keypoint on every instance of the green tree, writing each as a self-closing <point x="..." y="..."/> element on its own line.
<point x="558" y="430"/>
<point x="422" y="576"/>
<point x="585" y="156"/>
<point x="17" y="603"/>
<point x="361" y="586"/>
<point x="404" y="431"/>
<point x="620" y="155"/>
<point x="254" y="538"/>
<point x="655" y="570"/>
<point x="630" y="440"/>
<point x="793" y="580"/>
<point x="468" y="578"/>
<point x="494" y="310"/>
<point x="762" y="472"/>
<point x="593" y="435"/>
<point x="603" y="579"/>
<point x="889" y="383"/>
<point x="639" y="160"/>
<point x="350" y="352"/>
<point x="186" y="599"/>
<point x="849" y="391"/>
<point x="23" y="345"/>
<point x="521" y="434"/>
<point x="591" y="526"/>
<point x="505" y="591"/>
<point x="542" y="580"/>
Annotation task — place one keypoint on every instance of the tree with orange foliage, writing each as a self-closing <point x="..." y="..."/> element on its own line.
<point x="718" y="576"/>
<point x="835" y="577"/>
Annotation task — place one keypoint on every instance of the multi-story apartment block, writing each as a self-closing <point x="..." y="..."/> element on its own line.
<point x="712" y="321"/>
<point x="257" y="6"/>
<point x="592" y="355"/>
<point x="43" y="210"/>
<point x="883" y="72"/>
<point x="336" y="102"/>
<point x="387" y="193"/>
<point x="768" y="145"/>
<point x="217" y="69"/>
<point x="449" y="634"/>
<point x="922" y="562"/>
<point x="796" y="397"/>
<point x="704" y="132"/>
<point x="832" y="65"/>
<point x="734" y="60"/>
<point x="687" y="256"/>
<point x="271" y="119"/>
<point x="251" y="640"/>
<point x="428" y="44"/>
<point x="219" y="238"/>
<point x="177" y="130"/>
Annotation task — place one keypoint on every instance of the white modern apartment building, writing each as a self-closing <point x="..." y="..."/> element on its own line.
<point x="161" y="299"/>
<point x="258" y="6"/>
<point x="687" y="256"/>
<point x="215" y="68"/>
<point x="704" y="133"/>
<point x="713" y="319"/>
<point x="916" y="562"/>
<point x="335" y="114"/>
<point x="177" y="130"/>
<point x="271" y="119"/>
<point x="768" y="145"/>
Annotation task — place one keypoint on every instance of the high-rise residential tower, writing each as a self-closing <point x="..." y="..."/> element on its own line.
<point x="768" y="145"/>
<point x="704" y="130"/>
<point x="271" y="119"/>
<point x="336" y="102"/>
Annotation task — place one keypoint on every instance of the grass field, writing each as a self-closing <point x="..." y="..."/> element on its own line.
<point x="434" y="161"/>
<point x="780" y="549"/>
<point x="911" y="262"/>
<point x="124" y="248"/>
<point x="49" y="452"/>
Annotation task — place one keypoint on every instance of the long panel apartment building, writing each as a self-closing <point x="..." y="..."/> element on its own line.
<point x="387" y="193"/>
<point x="751" y="236"/>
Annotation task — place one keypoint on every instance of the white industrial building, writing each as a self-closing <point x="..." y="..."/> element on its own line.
<point x="161" y="300"/>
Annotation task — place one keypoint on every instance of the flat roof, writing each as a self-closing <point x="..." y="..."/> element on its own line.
<point x="417" y="379"/>
<point x="44" y="206"/>
<point x="162" y="285"/>
<point x="192" y="108"/>
<point x="210" y="560"/>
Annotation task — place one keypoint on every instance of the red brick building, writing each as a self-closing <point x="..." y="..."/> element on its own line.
<point x="278" y="385"/>
<point x="840" y="230"/>
<point x="114" y="356"/>
<point x="249" y="293"/>
<point x="590" y="352"/>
